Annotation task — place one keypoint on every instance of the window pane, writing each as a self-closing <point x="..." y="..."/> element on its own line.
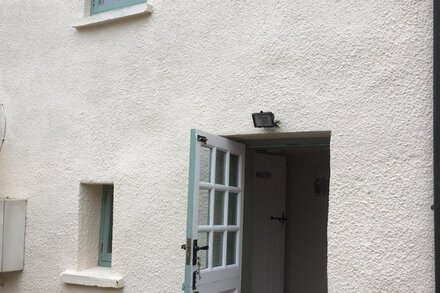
<point x="233" y="170"/>
<point x="205" y="164"/>
<point x="203" y="240"/>
<point x="219" y="208"/>
<point x="220" y="169"/>
<point x="217" y="251"/>
<point x="105" y="5"/>
<point x="204" y="207"/>
<point x="110" y="215"/>
<point x="102" y="2"/>
<point x="231" y="248"/>
<point x="232" y="208"/>
<point x="106" y="227"/>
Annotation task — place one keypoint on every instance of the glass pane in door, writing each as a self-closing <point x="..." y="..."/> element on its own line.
<point x="203" y="240"/>
<point x="231" y="248"/>
<point x="233" y="170"/>
<point x="217" y="250"/>
<point x="204" y="201"/>
<point x="220" y="167"/>
<point x="219" y="208"/>
<point x="232" y="208"/>
<point x="205" y="164"/>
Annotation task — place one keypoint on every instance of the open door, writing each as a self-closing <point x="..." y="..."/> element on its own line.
<point x="215" y="210"/>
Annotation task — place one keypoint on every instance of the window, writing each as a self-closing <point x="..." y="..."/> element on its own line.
<point x="99" y="6"/>
<point x="106" y="227"/>
<point x="95" y="239"/>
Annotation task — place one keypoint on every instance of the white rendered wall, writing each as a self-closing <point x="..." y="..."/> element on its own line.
<point x="115" y="104"/>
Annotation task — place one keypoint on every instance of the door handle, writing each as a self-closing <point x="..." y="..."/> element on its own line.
<point x="202" y="248"/>
<point x="281" y="219"/>
<point x="196" y="248"/>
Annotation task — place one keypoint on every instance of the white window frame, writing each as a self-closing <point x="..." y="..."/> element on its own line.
<point x="87" y="19"/>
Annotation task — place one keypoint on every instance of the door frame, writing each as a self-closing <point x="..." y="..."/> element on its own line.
<point x="272" y="140"/>
<point x="282" y="139"/>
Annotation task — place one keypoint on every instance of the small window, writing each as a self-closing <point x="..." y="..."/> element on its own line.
<point x="106" y="227"/>
<point x="99" y="6"/>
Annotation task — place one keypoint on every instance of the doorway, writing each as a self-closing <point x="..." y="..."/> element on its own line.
<point x="257" y="213"/>
<point x="285" y="216"/>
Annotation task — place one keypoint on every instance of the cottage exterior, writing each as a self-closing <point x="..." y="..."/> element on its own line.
<point x="108" y="101"/>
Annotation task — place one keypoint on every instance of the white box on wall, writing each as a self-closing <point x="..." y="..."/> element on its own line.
<point x="12" y="231"/>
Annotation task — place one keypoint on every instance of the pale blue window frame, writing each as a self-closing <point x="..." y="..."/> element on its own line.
<point x="99" y="6"/>
<point x="106" y="227"/>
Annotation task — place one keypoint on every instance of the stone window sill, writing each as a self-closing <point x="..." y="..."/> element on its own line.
<point x="113" y="15"/>
<point x="96" y="276"/>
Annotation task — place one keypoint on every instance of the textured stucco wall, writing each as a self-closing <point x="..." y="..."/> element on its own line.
<point x="115" y="104"/>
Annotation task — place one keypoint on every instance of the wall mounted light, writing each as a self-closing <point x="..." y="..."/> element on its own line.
<point x="264" y="120"/>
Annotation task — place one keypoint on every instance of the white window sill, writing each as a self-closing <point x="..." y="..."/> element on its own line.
<point x="113" y="15"/>
<point x="96" y="276"/>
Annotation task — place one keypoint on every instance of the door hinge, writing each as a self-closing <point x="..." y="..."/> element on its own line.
<point x="187" y="248"/>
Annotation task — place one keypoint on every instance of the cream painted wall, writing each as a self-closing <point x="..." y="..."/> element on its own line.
<point x="115" y="103"/>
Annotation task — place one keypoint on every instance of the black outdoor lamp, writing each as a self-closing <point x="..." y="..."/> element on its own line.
<point x="264" y="120"/>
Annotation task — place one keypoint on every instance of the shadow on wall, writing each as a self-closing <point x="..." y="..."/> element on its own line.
<point x="10" y="278"/>
<point x="69" y="288"/>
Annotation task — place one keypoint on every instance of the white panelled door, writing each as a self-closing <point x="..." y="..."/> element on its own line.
<point x="268" y="223"/>
<point x="215" y="209"/>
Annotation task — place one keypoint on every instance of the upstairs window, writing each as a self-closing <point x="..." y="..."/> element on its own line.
<point x="99" y="6"/>
<point x="106" y="227"/>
